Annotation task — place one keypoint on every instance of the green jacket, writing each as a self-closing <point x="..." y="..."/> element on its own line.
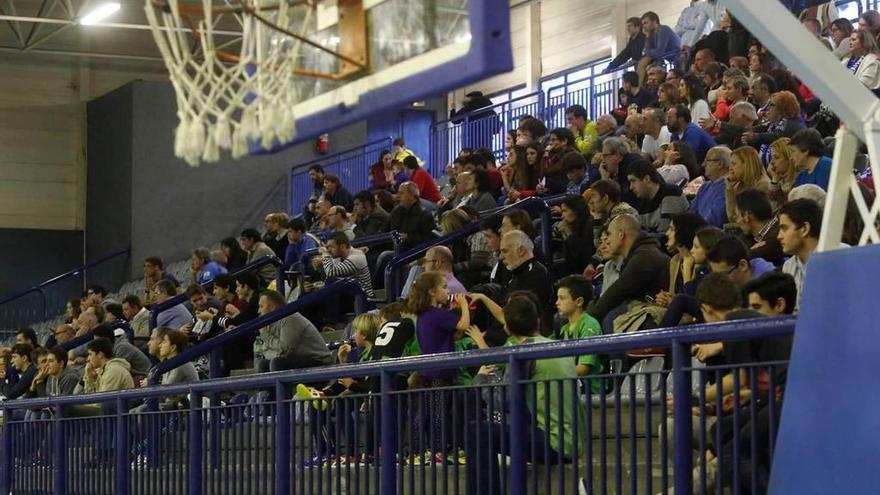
<point x="588" y="140"/>
<point x="115" y="375"/>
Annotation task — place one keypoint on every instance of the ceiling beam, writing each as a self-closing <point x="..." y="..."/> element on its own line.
<point x="13" y="25"/>
<point x="37" y="26"/>
<point x="71" y="53"/>
<point x="115" y="25"/>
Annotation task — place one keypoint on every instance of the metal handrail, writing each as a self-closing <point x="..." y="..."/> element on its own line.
<point x="213" y="345"/>
<point x="735" y="330"/>
<point x="89" y="336"/>
<point x="180" y="298"/>
<point x="71" y="273"/>
<point x="369" y="241"/>
<point x="465" y="117"/>
<point x="532" y="204"/>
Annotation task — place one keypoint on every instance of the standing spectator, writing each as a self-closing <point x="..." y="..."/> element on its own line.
<point x="678" y="120"/>
<point x="138" y="318"/>
<point x="299" y="242"/>
<point x="586" y="137"/>
<point x="800" y="222"/>
<point x="807" y="152"/>
<point x="236" y="257"/>
<point x="276" y="232"/>
<point x="746" y="172"/>
<point x="862" y="59"/>
<point x="369" y="218"/>
<point x="710" y="200"/>
<point x="154" y="271"/>
<point x="257" y="249"/>
<point x="661" y="43"/>
<point x="174" y="317"/>
<point x="635" y="45"/>
<point x="344" y="261"/>
<point x="489" y="123"/>
<point x="658" y="201"/>
<point x="784" y="119"/>
<point x="693" y="24"/>
<point x="414" y="224"/>
<point x="428" y="190"/>
<point x="204" y="270"/>
<point x="335" y="193"/>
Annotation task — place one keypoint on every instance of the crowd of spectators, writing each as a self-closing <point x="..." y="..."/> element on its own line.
<point x="699" y="197"/>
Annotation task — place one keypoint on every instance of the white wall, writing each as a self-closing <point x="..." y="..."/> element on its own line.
<point x="42" y="139"/>
<point x="573" y="32"/>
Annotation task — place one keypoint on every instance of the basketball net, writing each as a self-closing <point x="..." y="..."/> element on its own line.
<point x="224" y="102"/>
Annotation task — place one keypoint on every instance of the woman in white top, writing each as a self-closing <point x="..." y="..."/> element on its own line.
<point x="841" y="29"/>
<point x="690" y="89"/>
<point x="862" y="59"/>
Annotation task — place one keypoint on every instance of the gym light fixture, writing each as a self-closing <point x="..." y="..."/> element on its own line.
<point x="99" y="13"/>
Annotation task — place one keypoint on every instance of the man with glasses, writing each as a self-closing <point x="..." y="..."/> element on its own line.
<point x="437" y="259"/>
<point x="709" y="202"/>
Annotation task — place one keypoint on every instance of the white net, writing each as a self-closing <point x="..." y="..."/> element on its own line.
<point x="225" y="102"/>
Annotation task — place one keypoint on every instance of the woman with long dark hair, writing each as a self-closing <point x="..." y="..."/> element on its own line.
<point x="575" y="230"/>
<point x="691" y="91"/>
<point x="561" y="142"/>
<point x="381" y="173"/>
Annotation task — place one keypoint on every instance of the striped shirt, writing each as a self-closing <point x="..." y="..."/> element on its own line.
<point x="354" y="266"/>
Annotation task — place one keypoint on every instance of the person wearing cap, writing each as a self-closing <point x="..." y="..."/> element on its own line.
<point x="477" y="107"/>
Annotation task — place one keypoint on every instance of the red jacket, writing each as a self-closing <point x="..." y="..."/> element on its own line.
<point x="427" y="187"/>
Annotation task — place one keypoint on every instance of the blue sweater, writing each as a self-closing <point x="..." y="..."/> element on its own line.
<point x="821" y="175"/>
<point x="663" y="43"/>
<point x="699" y="141"/>
<point x="709" y="203"/>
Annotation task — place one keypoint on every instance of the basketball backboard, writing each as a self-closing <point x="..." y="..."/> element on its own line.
<point x="350" y="59"/>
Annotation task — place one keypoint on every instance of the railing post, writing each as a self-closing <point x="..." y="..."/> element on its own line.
<point x="279" y="278"/>
<point x="518" y="426"/>
<point x="282" y="439"/>
<point x="6" y="461"/>
<point x="194" y="428"/>
<point x="215" y="363"/>
<point x="59" y="454"/>
<point x="388" y="438"/>
<point x="121" y="485"/>
<point x="682" y="420"/>
<point x="547" y="233"/>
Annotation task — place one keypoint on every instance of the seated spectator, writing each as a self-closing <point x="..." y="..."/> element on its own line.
<point x="401" y="151"/>
<point x="27" y="371"/>
<point x="543" y="444"/>
<point x="236" y="257"/>
<point x="586" y="137"/>
<point x="636" y="96"/>
<point x="684" y="271"/>
<point x="645" y="269"/>
<point x="760" y="227"/>
<point x="429" y="193"/>
<point x="709" y="202"/>
<point x="658" y="201"/>
<point x="27" y="336"/>
<point x="199" y="299"/>
<point x="204" y="270"/>
<point x="337" y="219"/>
<point x="95" y="296"/>
<point x="103" y="373"/>
<point x="632" y="130"/>
<point x="257" y="249"/>
<point x="138" y="318"/>
<point x="731" y="256"/>
<point x="437" y="259"/>
<point x="772" y="294"/>
<point x="713" y="78"/>
<point x="573" y="294"/>
<point x="800" y="223"/>
<point x="840" y="32"/>
<point x="616" y="159"/>
<point x="154" y="271"/>
<point x="530" y="130"/>
<point x="693" y="94"/>
<point x="369" y="219"/>
<point x="807" y="152"/>
<point x="784" y="119"/>
<point x="276" y="232"/>
<point x="575" y="230"/>
<point x="476" y="191"/>
<point x="64" y="332"/>
<point x="299" y="242"/>
<point x="604" y="201"/>
<point x="667" y="96"/>
<point x="381" y="173"/>
<point x="656" y="133"/>
<point x="239" y="351"/>
<point x="678" y="120"/>
<point x="632" y="52"/>
<point x="560" y="143"/>
<point x="526" y="273"/>
<point x="760" y="91"/>
<point x="139" y="364"/>
<point x="335" y="193"/>
<point x="782" y="172"/>
<point x="290" y="343"/>
<point x="176" y="316"/>
<point x="575" y="166"/>
<point x="414" y="224"/>
<point x="320" y="226"/>
<point x="733" y="132"/>
<point x="679" y="164"/>
<point x="72" y="310"/>
<point x="343" y="261"/>
<point x="606" y="125"/>
<point x="55" y="378"/>
<point x="661" y="43"/>
<point x="224" y="291"/>
<point x="736" y="89"/>
<point x="746" y="172"/>
<point x="862" y="59"/>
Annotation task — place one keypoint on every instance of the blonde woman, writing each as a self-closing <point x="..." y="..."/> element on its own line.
<point x="782" y="171"/>
<point x="746" y="172"/>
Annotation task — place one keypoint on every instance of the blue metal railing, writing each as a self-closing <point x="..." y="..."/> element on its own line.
<point x="48" y="305"/>
<point x="534" y="206"/>
<point x="157" y="308"/>
<point x="352" y="166"/>
<point x="213" y="345"/>
<point x="271" y="445"/>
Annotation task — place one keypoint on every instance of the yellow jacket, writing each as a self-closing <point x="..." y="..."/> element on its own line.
<point x="588" y="140"/>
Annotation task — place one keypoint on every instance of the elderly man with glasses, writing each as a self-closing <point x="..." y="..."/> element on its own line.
<point x="709" y="202"/>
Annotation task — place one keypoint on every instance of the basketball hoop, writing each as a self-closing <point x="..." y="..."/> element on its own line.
<point x="226" y="100"/>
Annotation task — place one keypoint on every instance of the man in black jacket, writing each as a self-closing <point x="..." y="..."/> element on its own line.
<point x="616" y="160"/>
<point x="21" y="361"/>
<point x="526" y="273"/>
<point x="645" y="270"/>
<point x="634" y="46"/>
<point x="414" y="224"/>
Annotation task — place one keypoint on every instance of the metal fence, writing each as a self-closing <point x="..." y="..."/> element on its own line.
<point x="607" y="433"/>
<point x="352" y="166"/>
